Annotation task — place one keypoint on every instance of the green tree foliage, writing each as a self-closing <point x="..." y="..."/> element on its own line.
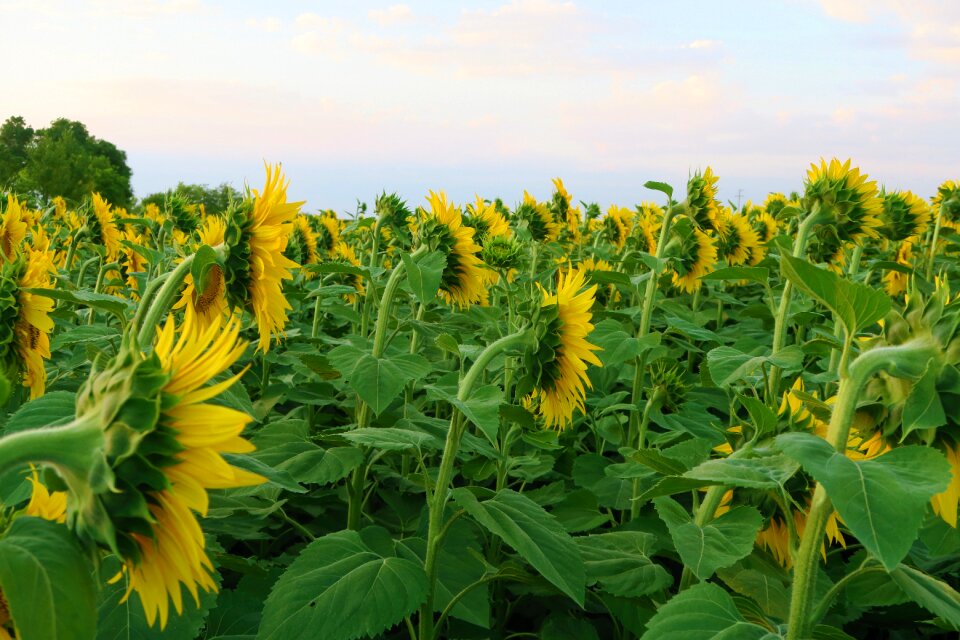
<point x="62" y="160"/>
<point x="213" y="199"/>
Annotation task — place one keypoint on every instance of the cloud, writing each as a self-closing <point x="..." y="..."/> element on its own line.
<point x="394" y="14"/>
<point x="269" y="25"/>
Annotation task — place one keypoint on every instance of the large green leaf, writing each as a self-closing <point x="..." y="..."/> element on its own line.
<point x="620" y="563"/>
<point x="934" y="595"/>
<point x="286" y="446"/>
<point x="47" y="581"/>
<point x="702" y="612"/>
<point x="533" y="533"/>
<point x="922" y="408"/>
<point x="424" y="274"/>
<point x="882" y="501"/>
<point x="100" y="301"/>
<point x="380" y="380"/>
<point x="54" y="408"/>
<point x="768" y="472"/>
<point x="719" y="544"/>
<point x="343" y="586"/>
<point x="729" y="365"/>
<point x="857" y="306"/>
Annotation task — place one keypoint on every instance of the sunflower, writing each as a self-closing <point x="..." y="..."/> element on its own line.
<point x="828" y="248"/>
<point x="342" y="252"/>
<point x="395" y="217"/>
<point x="13" y="229"/>
<point x="617" y="225"/>
<point x="904" y="215"/>
<point x="775" y="536"/>
<point x="737" y="238"/>
<point x="774" y="204"/>
<point x="945" y="504"/>
<point x="487" y="221"/>
<point x="103" y="227"/>
<point x="895" y="282"/>
<point x="25" y="323"/>
<point x="327" y="228"/>
<point x="946" y="202"/>
<point x="464" y="278"/>
<point x="302" y="245"/>
<point x="131" y="262"/>
<point x="847" y="198"/>
<point x="702" y="204"/>
<point x="559" y="363"/>
<point x="257" y="234"/>
<point x="539" y="221"/>
<point x="698" y="256"/>
<point x="46" y="504"/>
<point x="210" y="306"/>
<point x="766" y="227"/>
<point x="605" y="294"/>
<point x="161" y="485"/>
<point x="561" y="206"/>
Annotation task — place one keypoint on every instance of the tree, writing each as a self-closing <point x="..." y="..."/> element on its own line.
<point x="15" y="139"/>
<point x="213" y="199"/>
<point x="63" y="160"/>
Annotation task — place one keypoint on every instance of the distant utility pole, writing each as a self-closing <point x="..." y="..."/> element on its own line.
<point x="739" y="196"/>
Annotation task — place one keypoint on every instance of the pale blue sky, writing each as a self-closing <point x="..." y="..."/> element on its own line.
<point x="495" y="97"/>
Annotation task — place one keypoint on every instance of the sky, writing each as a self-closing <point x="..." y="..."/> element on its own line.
<point x="494" y="97"/>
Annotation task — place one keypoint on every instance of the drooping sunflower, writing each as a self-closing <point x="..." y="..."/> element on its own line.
<point x="904" y="215"/>
<point x="257" y="234"/>
<point x="25" y="323"/>
<point x="464" y="278"/>
<point x="13" y="229"/>
<point x="895" y="282"/>
<point x="487" y="221"/>
<point x="846" y="198"/>
<point x="539" y="221"/>
<point x="702" y="204"/>
<point x="209" y="306"/>
<point x="103" y="227"/>
<point x="559" y="363"/>
<point x="697" y="257"/>
<point x="170" y="456"/>
<point x="737" y="239"/>
<point x="617" y="225"/>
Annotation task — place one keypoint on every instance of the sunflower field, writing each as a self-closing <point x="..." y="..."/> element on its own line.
<point x="532" y="419"/>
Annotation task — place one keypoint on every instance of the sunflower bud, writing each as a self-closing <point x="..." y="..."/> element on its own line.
<point x="668" y="385"/>
<point x="502" y="253"/>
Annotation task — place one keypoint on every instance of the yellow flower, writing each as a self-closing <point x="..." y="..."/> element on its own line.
<point x="774" y="204"/>
<point x="896" y="282"/>
<point x="737" y="238"/>
<point x="698" y="256"/>
<point x="464" y="278"/>
<point x="561" y="360"/>
<point x="33" y="325"/>
<point x="847" y="197"/>
<point x="618" y="224"/>
<point x="342" y="252"/>
<point x="904" y="215"/>
<point x="174" y="552"/>
<point x="12" y="228"/>
<point x="46" y="504"/>
<point x="702" y="204"/>
<point x="302" y="246"/>
<point x="648" y="221"/>
<point x="540" y="222"/>
<point x="103" y="227"/>
<point x="766" y="227"/>
<point x="208" y="307"/>
<point x="945" y="504"/>
<point x="328" y="232"/>
<point x="487" y="221"/>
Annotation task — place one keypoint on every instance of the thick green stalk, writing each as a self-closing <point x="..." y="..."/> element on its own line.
<point x="372" y="262"/>
<point x="438" y="499"/>
<point x="653" y="401"/>
<point x="163" y="301"/>
<point x="74" y="242"/>
<point x="780" y="322"/>
<point x="934" y="241"/>
<point x="835" y="356"/>
<point x="908" y="359"/>
<point x="96" y="288"/>
<point x="72" y="449"/>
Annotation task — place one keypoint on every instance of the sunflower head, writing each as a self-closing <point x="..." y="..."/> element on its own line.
<point x="667" y="383"/>
<point x="183" y="215"/>
<point x="947" y="201"/>
<point x="342" y="252"/>
<point x="737" y="239"/>
<point x="702" y="205"/>
<point x="696" y="256"/>
<point x="302" y="244"/>
<point x="605" y="294"/>
<point x="395" y="216"/>
<point x="25" y="324"/>
<point x="774" y="204"/>
<point x="844" y="198"/>
<point x="828" y="248"/>
<point x="617" y="225"/>
<point x="102" y="226"/>
<point x="557" y="366"/>
<point x="487" y="221"/>
<point x="904" y="215"/>
<point x="13" y="227"/>
<point x="502" y="253"/>
<point x="442" y="229"/>
<point x="537" y="219"/>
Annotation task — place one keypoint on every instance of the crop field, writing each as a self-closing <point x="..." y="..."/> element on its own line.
<point x="677" y="419"/>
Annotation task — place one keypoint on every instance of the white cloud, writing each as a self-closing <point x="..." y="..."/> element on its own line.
<point x="704" y="44"/>
<point x="269" y="24"/>
<point x="392" y="15"/>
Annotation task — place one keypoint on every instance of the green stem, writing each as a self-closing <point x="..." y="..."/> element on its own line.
<point x="82" y="272"/>
<point x="836" y="361"/>
<point x="72" y="449"/>
<point x="935" y="240"/>
<point x="74" y="243"/>
<point x="438" y="499"/>
<point x="96" y="288"/>
<point x="908" y="360"/>
<point x="374" y="256"/>
<point x="780" y="323"/>
<point x="163" y="301"/>
<point x="152" y="287"/>
<point x="835" y="590"/>
<point x="653" y="401"/>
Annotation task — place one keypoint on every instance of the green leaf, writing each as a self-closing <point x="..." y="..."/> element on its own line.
<point x="702" y="612"/>
<point x="47" y="581"/>
<point x="203" y="261"/>
<point x="663" y="187"/>
<point x="617" y="345"/>
<point x="393" y="439"/>
<point x="934" y="595"/>
<point x="533" y="533"/>
<point x="343" y="586"/>
<point x="857" y="306"/>
<point x="768" y="472"/>
<point x="99" y="301"/>
<point x="754" y="274"/>
<point x="719" y="544"/>
<point x="51" y="409"/>
<point x="424" y="274"/>
<point x="728" y="365"/>
<point x="92" y="333"/>
<point x="923" y="409"/>
<point x="338" y="267"/>
<point x="620" y="563"/>
<point x="378" y="381"/>
<point x="882" y="501"/>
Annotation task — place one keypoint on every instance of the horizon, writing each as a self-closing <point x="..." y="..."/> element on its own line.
<point x="492" y="98"/>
